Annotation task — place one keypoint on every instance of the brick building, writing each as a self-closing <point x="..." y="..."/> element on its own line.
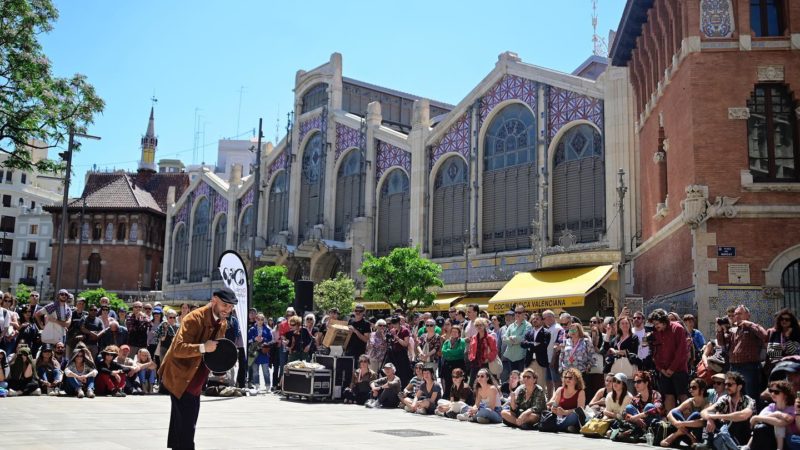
<point x="714" y="88"/>
<point x="115" y="232"/>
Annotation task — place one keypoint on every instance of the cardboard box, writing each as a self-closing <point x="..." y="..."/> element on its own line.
<point x="338" y="334"/>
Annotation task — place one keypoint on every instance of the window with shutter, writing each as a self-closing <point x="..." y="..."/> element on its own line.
<point x="220" y="235"/>
<point x="277" y="214"/>
<point x="179" y="254"/>
<point x="450" y="207"/>
<point x="350" y="182"/>
<point x="199" y="266"/>
<point x="395" y="207"/>
<point x="311" y="186"/>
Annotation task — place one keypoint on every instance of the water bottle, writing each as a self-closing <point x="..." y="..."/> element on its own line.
<point x="649" y="437"/>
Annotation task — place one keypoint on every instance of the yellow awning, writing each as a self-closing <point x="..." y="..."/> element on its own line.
<point x="482" y="302"/>
<point x="441" y="303"/>
<point x="550" y="289"/>
<point x="375" y="305"/>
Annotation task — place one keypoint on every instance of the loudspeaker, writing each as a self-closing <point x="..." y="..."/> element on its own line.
<point x="303" y="296"/>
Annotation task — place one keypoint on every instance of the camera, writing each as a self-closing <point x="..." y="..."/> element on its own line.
<point x="723" y="321"/>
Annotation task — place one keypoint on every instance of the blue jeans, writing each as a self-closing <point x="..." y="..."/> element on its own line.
<point x="752" y="377"/>
<point x="630" y="409"/>
<point x="491" y="414"/>
<point x="254" y="373"/>
<point x="567" y="421"/>
<point x="49" y="375"/>
<point x="73" y="385"/>
<point x="147" y="375"/>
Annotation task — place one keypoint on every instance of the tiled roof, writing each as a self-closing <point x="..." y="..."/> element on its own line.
<point x="121" y="190"/>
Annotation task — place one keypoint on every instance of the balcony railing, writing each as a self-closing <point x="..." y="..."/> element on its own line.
<point x="28" y="281"/>
<point x="30" y="257"/>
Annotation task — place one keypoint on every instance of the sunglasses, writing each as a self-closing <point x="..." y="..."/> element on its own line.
<point x="638" y="381"/>
<point x="104" y="309"/>
<point x="457" y="377"/>
<point x="774" y="391"/>
<point x="568" y="377"/>
<point x="307" y="320"/>
<point x="528" y="377"/>
<point x="786" y="319"/>
<point x="730" y="384"/>
<point x="616" y="381"/>
<point x="170" y="317"/>
<point x="593" y="321"/>
<point x="148" y="309"/>
<point x="718" y="383"/>
<point x="359" y="311"/>
<point x="429" y="325"/>
<point x="481" y="376"/>
<point x="691" y="388"/>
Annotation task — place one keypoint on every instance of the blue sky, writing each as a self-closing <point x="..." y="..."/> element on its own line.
<point x="196" y="55"/>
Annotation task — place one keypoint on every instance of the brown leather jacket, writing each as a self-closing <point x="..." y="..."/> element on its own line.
<point x="183" y="357"/>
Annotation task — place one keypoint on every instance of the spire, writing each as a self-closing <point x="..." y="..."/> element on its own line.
<point x="149" y="143"/>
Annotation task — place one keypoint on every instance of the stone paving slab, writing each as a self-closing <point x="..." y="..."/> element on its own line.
<point x="264" y="421"/>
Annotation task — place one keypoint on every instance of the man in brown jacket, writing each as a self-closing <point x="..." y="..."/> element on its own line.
<point x="182" y="370"/>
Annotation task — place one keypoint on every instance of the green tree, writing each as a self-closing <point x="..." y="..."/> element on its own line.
<point x="274" y="291"/>
<point x="22" y="294"/>
<point x="34" y="104"/>
<point x="338" y="292"/>
<point x="402" y="279"/>
<point x="92" y="297"/>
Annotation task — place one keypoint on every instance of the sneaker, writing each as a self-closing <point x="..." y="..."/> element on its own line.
<point x="37" y="392"/>
<point x="701" y="446"/>
<point x="12" y="393"/>
<point x="119" y="394"/>
<point x="89" y="393"/>
<point x="52" y="392"/>
<point x="80" y="393"/>
<point x="482" y="420"/>
<point x="409" y="409"/>
<point x="463" y="417"/>
<point x="572" y="429"/>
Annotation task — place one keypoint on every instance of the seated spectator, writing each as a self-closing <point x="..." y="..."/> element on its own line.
<point x="22" y="377"/>
<point x="60" y="354"/>
<point x="568" y="401"/>
<point x="526" y="404"/>
<point x="3" y="373"/>
<point x="510" y="386"/>
<point x="80" y="374"/>
<point x="685" y="418"/>
<point x="111" y="376"/>
<point x="132" y="385"/>
<point x="49" y="371"/>
<point x="645" y="408"/>
<point x="770" y="425"/>
<point x="717" y="388"/>
<point x="147" y="368"/>
<point x="360" y="387"/>
<point x="487" y="401"/>
<point x="427" y="396"/>
<point x="461" y="396"/>
<point x="733" y="409"/>
<point x="413" y="385"/>
<point x="386" y="390"/>
<point x="618" y="398"/>
<point x="598" y="402"/>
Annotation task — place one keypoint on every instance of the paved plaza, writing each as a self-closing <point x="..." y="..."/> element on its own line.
<point x="252" y="422"/>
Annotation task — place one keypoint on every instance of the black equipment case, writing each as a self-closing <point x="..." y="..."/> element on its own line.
<point x="307" y="383"/>
<point x="342" y="369"/>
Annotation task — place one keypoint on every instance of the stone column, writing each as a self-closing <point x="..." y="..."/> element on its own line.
<point x="420" y="127"/>
<point x="374" y="119"/>
<point x="296" y="172"/>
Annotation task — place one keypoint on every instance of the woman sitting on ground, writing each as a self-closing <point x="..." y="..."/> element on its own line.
<point x="618" y="398"/>
<point x="80" y="374"/>
<point x="461" y="396"/>
<point x="598" y="402"/>
<point x="487" y="401"/>
<point x="111" y="377"/>
<point x="527" y="403"/>
<point x="427" y="396"/>
<point x="568" y="401"/>
<point x="780" y="415"/>
<point x="686" y="416"/>
<point x="22" y="377"/>
<point x="49" y="370"/>
<point x="410" y="391"/>
<point x="510" y="386"/>
<point x="360" y="391"/>
<point x="645" y="408"/>
<point x="147" y="370"/>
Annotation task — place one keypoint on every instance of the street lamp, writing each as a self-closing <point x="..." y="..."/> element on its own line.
<point x="256" y="198"/>
<point x="67" y="156"/>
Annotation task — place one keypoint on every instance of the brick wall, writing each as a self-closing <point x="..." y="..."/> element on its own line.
<point x="665" y="268"/>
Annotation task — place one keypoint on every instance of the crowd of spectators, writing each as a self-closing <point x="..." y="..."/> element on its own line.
<point x="633" y="378"/>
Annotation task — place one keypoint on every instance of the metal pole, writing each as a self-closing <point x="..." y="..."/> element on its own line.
<point x="80" y="243"/>
<point x="64" y="201"/>
<point x="466" y="260"/>
<point x="256" y="198"/>
<point x="621" y="190"/>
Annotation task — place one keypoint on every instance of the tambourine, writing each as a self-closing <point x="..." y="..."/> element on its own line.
<point x="223" y="358"/>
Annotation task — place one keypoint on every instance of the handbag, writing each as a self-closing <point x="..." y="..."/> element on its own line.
<point x="496" y="366"/>
<point x="622" y="365"/>
<point x="597" y="364"/>
<point x="548" y="423"/>
<point x="596" y="427"/>
<point x="52" y="333"/>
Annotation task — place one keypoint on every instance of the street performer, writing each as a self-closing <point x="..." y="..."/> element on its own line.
<point x="182" y="371"/>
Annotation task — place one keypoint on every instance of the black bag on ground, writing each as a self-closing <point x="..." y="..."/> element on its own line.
<point x="548" y="423"/>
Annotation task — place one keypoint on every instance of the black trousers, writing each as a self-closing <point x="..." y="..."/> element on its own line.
<point x="241" y="375"/>
<point x="182" y="421"/>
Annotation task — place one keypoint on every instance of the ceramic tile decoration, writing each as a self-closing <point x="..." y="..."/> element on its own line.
<point x="716" y="18"/>
<point x="566" y="106"/>
<point x="346" y="137"/>
<point x="391" y="156"/>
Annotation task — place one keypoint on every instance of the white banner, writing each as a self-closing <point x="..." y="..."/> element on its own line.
<point x="234" y="275"/>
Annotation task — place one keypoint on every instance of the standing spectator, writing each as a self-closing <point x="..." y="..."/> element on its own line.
<point x="536" y="340"/>
<point x="360" y="328"/>
<point x="185" y="309"/>
<point x="58" y="318"/>
<point x="513" y="336"/>
<point x="166" y="333"/>
<point x="80" y="374"/>
<point x="453" y="358"/>
<point x="9" y="325"/>
<point x="641" y="333"/>
<point x="376" y="348"/>
<point x="671" y="357"/>
<point x="22" y="377"/>
<point x="469" y="326"/>
<point x="623" y="345"/>
<point x="148" y="311"/>
<point x="91" y="328"/>
<point x="783" y="338"/>
<point x="482" y="348"/>
<point x="105" y="316"/>
<point x="578" y="352"/>
<point x="49" y="371"/>
<point x="744" y="340"/>
<point x="258" y="338"/>
<point x="33" y="302"/>
<point x="113" y="335"/>
<point x="733" y="409"/>
<point x="283" y="351"/>
<point x="74" y="334"/>
<point x="234" y="334"/>
<point x="553" y="350"/>
<point x="111" y="376"/>
<point x="28" y="330"/>
<point x="430" y="345"/>
<point x="398" y="340"/>
<point x="106" y="303"/>
<point x="300" y="340"/>
<point x="155" y="323"/>
<point x="698" y="340"/>
<point x="452" y="314"/>
<point x="138" y="325"/>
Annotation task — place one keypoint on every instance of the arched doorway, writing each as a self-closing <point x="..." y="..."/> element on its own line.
<point x="790" y="283"/>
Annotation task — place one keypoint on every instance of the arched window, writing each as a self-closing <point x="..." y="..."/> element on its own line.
<point x="315" y="97"/>
<point x="201" y="240"/>
<point x="73" y="230"/>
<point x="767" y="17"/>
<point x="790" y="283"/>
<point x="85" y="232"/>
<point x="97" y="231"/>
<point x="510" y="192"/>
<point x="349" y="193"/>
<point x="245" y="230"/>
<point x="312" y="189"/>
<point x="93" y="272"/>
<point x="450" y="208"/>
<point x="220" y="235"/>
<point x="180" y="254"/>
<point x="578" y="186"/>
<point x="122" y="228"/>
<point x="134" y="235"/>
<point x="278" y="215"/>
<point x="109" y="231"/>
<point x="772" y="138"/>
<point x="393" y="216"/>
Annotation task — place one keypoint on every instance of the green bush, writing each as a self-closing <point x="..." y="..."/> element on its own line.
<point x="92" y="297"/>
<point x="22" y="293"/>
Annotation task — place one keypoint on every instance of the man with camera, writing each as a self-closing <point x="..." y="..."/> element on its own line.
<point x="397" y="341"/>
<point x="745" y="341"/>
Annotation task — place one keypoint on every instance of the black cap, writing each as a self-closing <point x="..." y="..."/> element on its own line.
<point x="226" y="295"/>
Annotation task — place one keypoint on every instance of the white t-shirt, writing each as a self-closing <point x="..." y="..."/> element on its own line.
<point x="617" y="408"/>
<point x="554" y="330"/>
<point x="644" y="350"/>
<point x="5" y="321"/>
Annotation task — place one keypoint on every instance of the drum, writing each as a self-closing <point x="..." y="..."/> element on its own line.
<point x="223" y="358"/>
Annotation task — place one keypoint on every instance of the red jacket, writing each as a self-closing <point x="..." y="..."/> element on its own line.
<point x="490" y="352"/>
<point x="672" y="348"/>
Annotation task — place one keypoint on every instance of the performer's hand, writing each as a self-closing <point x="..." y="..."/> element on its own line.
<point x="210" y="346"/>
